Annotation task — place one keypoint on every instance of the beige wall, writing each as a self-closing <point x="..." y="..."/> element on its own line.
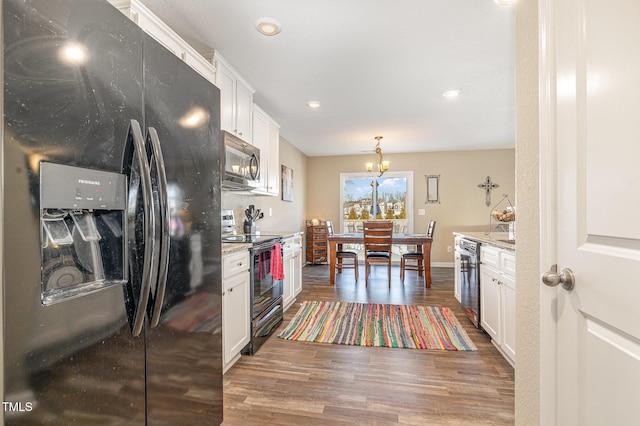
<point x="286" y="216"/>
<point x="462" y="206"/>
<point x="527" y="403"/>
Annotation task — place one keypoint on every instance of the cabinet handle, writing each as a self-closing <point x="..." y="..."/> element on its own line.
<point x="230" y="290"/>
<point x="239" y="263"/>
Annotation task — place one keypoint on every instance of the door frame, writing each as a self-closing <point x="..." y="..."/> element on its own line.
<point x="548" y="145"/>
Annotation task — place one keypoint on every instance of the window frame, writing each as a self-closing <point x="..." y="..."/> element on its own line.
<point x="407" y="175"/>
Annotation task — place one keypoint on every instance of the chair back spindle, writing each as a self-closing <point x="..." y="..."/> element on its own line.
<point x="378" y="241"/>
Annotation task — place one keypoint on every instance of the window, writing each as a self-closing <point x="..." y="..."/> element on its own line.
<point x="365" y="197"/>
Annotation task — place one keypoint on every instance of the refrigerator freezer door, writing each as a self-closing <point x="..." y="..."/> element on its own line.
<point x="182" y="108"/>
<point x="74" y="361"/>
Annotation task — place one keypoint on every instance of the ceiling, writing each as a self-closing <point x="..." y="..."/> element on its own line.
<point x="379" y="67"/>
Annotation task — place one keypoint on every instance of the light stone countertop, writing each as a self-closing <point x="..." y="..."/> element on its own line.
<point x="498" y="239"/>
<point x="228" y="248"/>
<point x="285" y="234"/>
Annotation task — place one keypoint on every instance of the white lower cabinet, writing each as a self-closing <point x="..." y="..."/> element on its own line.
<point x="498" y="298"/>
<point x="509" y="315"/>
<point x="296" y="271"/>
<point x="287" y="285"/>
<point x="292" y="265"/>
<point x="236" y="315"/>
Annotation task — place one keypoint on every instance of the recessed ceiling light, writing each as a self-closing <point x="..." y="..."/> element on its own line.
<point x="314" y="104"/>
<point x="504" y="2"/>
<point x="451" y="93"/>
<point x="268" y="26"/>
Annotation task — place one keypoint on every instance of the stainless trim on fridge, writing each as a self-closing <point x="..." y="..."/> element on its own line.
<point x="159" y="178"/>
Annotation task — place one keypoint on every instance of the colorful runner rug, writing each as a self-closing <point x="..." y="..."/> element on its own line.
<point x="366" y="324"/>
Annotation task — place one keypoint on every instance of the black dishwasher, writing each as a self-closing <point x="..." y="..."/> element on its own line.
<point x="470" y="279"/>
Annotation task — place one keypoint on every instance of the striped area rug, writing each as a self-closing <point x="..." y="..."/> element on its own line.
<point x="367" y="324"/>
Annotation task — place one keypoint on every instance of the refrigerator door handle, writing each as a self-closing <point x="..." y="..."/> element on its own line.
<point x="160" y="178"/>
<point x="144" y="177"/>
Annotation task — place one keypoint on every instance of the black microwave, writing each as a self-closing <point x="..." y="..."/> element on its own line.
<point x="240" y="164"/>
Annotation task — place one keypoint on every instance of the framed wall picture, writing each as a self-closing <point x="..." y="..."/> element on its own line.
<point x="433" y="189"/>
<point x="287" y="183"/>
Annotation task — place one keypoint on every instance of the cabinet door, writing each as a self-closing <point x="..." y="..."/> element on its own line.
<point x="287" y="284"/>
<point x="490" y="302"/>
<point x="273" y="166"/>
<point x="236" y="326"/>
<point x="490" y="256"/>
<point x="244" y="107"/>
<point x="297" y="272"/>
<point x="261" y="141"/>
<point x="508" y="289"/>
<point x="233" y="264"/>
<point x="225" y="81"/>
<point x="508" y="263"/>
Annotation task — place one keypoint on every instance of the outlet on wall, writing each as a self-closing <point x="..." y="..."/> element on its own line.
<point x="421" y="212"/>
<point x="449" y="249"/>
<point x="270" y="212"/>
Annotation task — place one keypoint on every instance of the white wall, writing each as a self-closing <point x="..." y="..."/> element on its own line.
<point x="462" y="204"/>
<point x="527" y="404"/>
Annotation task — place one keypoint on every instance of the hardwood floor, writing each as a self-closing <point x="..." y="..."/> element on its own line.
<point x="301" y="383"/>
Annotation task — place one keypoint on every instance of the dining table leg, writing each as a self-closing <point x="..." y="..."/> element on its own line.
<point x="426" y="261"/>
<point x="332" y="262"/>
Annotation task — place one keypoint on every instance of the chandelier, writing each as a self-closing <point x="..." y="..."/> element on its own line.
<point x="382" y="165"/>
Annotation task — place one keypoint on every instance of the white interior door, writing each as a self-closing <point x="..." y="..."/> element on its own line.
<point x="591" y="65"/>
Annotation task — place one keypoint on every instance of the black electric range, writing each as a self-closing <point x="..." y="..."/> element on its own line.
<point x="266" y="290"/>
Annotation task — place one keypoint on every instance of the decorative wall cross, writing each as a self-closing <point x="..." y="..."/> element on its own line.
<point x="487" y="185"/>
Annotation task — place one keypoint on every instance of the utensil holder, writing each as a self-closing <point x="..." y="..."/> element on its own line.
<point x="249" y="227"/>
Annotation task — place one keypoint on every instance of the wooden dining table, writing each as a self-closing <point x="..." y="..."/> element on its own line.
<point x="337" y="240"/>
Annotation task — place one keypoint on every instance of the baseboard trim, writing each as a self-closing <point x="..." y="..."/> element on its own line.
<point x="442" y="264"/>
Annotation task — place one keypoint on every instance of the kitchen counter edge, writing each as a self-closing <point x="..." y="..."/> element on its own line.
<point x="229" y="248"/>
<point x="494" y="238"/>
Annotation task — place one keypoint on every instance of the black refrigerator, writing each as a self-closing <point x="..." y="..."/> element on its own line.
<point x="110" y="223"/>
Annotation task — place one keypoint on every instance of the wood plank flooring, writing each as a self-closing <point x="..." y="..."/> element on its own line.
<point x="301" y="383"/>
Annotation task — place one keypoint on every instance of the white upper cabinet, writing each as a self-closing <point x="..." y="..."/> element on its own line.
<point x="266" y="137"/>
<point x="157" y="29"/>
<point x="236" y="100"/>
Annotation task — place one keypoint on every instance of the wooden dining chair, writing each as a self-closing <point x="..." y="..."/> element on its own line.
<point x="378" y="236"/>
<point x="416" y="256"/>
<point x="342" y="255"/>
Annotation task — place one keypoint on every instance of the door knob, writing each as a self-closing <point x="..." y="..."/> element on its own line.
<point x="552" y="278"/>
